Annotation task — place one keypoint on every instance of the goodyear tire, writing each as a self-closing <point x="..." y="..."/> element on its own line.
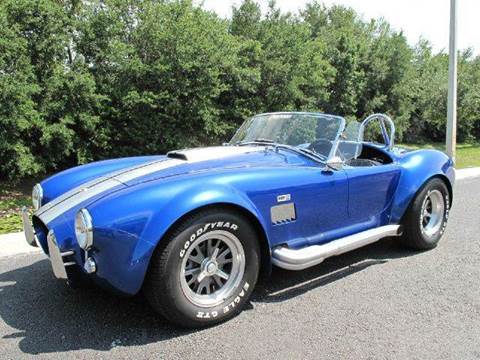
<point x="205" y="270"/>
<point x="427" y="216"/>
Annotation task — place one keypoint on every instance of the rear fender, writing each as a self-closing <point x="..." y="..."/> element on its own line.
<point x="417" y="168"/>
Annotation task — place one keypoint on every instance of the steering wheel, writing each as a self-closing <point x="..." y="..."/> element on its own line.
<point x="321" y="146"/>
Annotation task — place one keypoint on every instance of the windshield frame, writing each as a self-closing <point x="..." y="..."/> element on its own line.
<point x="335" y="142"/>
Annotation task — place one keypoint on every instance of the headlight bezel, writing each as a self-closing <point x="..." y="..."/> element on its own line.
<point x="37" y="196"/>
<point x="84" y="229"/>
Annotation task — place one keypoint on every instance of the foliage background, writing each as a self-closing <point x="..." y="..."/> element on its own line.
<point x="87" y="80"/>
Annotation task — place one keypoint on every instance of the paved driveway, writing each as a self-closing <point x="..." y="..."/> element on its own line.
<point x="377" y="302"/>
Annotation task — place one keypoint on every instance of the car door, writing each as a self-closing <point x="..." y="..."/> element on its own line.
<point x="370" y="194"/>
<point x="305" y="205"/>
<point x="370" y="188"/>
<point x="323" y="205"/>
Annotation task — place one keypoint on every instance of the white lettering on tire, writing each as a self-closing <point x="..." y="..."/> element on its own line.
<point x="447" y="211"/>
<point x="229" y="307"/>
<point x="208" y="226"/>
<point x="207" y="315"/>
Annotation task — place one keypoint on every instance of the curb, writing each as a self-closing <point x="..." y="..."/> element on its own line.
<point x="467" y="173"/>
<point x="15" y="244"/>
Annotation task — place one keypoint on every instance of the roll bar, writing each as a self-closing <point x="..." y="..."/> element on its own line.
<point x="388" y="137"/>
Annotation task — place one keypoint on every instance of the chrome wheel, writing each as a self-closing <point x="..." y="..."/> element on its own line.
<point x="212" y="268"/>
<point x="432" y="213"/>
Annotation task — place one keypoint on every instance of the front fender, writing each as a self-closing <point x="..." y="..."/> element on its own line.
<point x="417" y="168"/>
<point x="129" y="224"/>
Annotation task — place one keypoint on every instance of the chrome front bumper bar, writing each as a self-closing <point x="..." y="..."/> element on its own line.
<point x="28" y="228"/>
<point x="56" y="256"/>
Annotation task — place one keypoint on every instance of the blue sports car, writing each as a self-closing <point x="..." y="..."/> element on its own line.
<point x="195" y="228"/>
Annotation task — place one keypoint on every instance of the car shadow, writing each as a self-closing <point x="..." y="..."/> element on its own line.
<point x="283" y="284"/>
<point x="50" y="317"/>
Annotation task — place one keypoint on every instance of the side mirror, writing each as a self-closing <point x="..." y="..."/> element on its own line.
<point x="334" y="163"/>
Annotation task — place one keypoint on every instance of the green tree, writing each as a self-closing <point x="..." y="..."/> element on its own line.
<point x="17" y="107"/>
<point x="52" y="121"/>
<point x="86" y="80"/>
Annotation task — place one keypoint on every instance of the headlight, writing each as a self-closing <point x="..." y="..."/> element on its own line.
<point x="37" y="196"/>
<point x="84" y="229"/>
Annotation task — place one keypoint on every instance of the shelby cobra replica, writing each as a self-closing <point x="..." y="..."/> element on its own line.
<point x="194" y="228"/>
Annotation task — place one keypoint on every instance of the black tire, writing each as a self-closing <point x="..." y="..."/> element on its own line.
<point x="415" y="234"/>
<point x="164" y="288"/>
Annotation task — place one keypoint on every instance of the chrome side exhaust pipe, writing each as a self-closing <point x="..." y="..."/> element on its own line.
<point x="303" y="258"/>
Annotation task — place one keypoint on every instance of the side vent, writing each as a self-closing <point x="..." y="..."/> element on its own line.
<point x="282" y="214"/>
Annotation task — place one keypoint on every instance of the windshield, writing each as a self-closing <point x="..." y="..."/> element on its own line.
<point x="349" y="145"/>
<point x="315" y="132"/>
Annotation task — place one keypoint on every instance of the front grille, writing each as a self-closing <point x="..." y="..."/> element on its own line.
<point x="67" y="257"/>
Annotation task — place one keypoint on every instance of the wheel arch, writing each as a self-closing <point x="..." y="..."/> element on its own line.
<point x="265" y="254"/>
<point x="441" y="177"/>
<point x="415" y="236"/>
<point x="448" y="184"/>
<point x="417" y="168"/>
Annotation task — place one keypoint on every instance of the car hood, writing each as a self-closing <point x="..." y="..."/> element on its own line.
<point x="176" y="163"/>
<point x="180" y="162"/>
<point x="192" y="161"/>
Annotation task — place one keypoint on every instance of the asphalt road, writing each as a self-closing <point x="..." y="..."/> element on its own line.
<point x="379" y="302"/>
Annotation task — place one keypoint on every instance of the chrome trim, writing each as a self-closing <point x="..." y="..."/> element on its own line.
<point x="432" y="214"/>
<point x="300" y="259"/>
<point x="87" y="227"/>
<point x="388" y="138"/>
<point x="37" y="196"/>
<point x="284" y="197"/>
<point x="298" y="113"/>
<point x="282" y="213"/>
<point x="212" y="268"/>
<point x="334" y="163"/>
<point x="90" y="265"/>
<point x="56" y="257"/>
<point x="30" y="236"/>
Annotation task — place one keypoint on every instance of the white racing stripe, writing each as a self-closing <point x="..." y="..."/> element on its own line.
<point x="80" y="196"/>
<point x="81" y="193"/>
<point x="149" y="169"/>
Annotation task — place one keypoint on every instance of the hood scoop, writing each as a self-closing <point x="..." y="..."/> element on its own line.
<point x="177" y="155"/>
<point x="211" y="153"/>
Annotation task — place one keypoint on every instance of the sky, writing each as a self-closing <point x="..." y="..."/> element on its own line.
<point x="417" y="18"/>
